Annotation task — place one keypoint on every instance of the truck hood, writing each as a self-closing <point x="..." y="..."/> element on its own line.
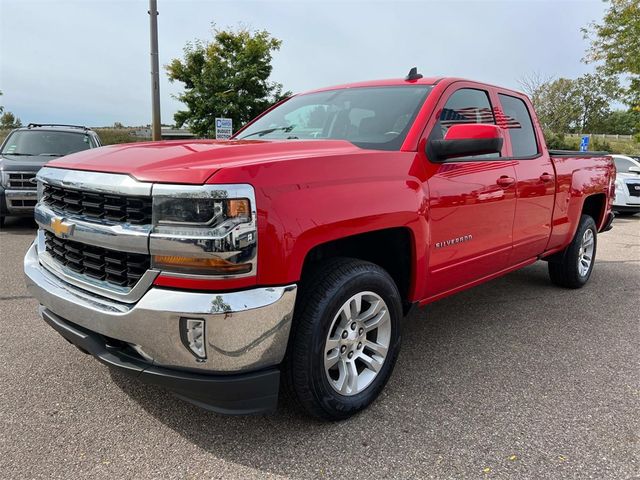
<point x="194" y="161"/>
<point x="27" y="161"/>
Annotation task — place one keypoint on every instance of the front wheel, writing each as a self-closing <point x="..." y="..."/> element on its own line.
<point x="345" y="340"/>
<point x="573" y="267"/>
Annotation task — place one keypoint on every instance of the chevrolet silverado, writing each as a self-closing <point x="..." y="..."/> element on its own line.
<point x="288" y="255"/>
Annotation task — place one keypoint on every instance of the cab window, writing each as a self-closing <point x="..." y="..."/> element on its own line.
<point x="520" y="126"/>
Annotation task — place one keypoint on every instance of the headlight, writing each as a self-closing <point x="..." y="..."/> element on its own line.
<point x="619" y="185"/>
<point x="4" y="178"/>
<point x="204" y="230"/>
<point x="200" y="211"/>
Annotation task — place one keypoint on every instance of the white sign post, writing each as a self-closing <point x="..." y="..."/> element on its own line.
<point x="224" y="128"/>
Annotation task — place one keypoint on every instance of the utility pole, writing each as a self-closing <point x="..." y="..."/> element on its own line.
<point x="156" y="132"/>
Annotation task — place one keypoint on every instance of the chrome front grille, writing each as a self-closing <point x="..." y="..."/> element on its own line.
<point x="120" y="269"/>
<point x="22" y="202"/>
<point x="130" y="209"/>
<point x="22" y="180"/>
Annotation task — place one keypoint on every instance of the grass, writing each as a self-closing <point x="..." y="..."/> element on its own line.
<point x="623" y="146"/>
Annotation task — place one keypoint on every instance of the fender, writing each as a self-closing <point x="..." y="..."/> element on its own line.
<point x="303" y="203"/>
<point x="575" y="184"/>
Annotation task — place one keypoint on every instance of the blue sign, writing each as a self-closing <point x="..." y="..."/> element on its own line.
<point x="584" y="144"/>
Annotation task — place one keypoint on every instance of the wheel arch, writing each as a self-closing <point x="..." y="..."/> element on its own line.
<point x="595" y="206"/>
<point x="393" y="249"/>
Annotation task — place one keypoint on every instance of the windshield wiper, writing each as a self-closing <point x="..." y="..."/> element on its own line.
<point x="266" y="131"/>
<point x="50" y="155"/>
<point x="17" y="154"/>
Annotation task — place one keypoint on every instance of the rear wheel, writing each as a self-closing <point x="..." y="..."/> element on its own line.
<point x="572" y="268"/>
<point x="345" y="340"/>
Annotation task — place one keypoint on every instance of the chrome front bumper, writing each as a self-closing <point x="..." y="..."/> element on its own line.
<point x="246" y="330"/>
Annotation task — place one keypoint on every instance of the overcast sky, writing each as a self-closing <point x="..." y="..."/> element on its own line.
<point x="87" y="61"/>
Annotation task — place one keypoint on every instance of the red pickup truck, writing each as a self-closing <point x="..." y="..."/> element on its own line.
<point x="289" y="254"/>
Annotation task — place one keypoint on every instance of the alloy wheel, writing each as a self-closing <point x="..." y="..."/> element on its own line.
<point x="357" y="343"/>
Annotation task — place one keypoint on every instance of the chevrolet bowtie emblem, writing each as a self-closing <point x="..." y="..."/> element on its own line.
<point x="61" y="228"/>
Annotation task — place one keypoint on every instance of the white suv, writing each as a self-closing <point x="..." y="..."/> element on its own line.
<point x="627" y="201"/>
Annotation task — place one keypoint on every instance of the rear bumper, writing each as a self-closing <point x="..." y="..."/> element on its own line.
<point x="626" y="208"/>
<point x="248" y="393"/>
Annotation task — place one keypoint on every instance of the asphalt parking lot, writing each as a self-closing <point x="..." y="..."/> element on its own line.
<point x="512" y="379"/>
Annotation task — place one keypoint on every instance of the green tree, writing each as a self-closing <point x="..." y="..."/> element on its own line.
<point x="595" y="93"/>
<point x="9" y="120"/>
<point x="1" y="107"/>
<point x="616" y="43"/>
<point x="572" y="105"/>
<point x="556" y="105"/>
<point x="621" y="122"/>
<point x="226" y="77"/>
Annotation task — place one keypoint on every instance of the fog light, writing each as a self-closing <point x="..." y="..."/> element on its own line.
<point x="193" y="336"/>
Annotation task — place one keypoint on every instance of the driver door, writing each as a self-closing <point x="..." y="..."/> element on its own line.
<point x="472" y="201"/>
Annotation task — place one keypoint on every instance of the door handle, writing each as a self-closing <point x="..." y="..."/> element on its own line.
<point x="505" y="181"/>
<point x="546" y="177"/>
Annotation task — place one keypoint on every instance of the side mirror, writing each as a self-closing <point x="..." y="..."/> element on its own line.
<point x="634" y="170"/>
<point x="465" y="139"/>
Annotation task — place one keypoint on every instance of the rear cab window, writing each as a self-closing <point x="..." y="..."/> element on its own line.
<point x="519" y="126"/>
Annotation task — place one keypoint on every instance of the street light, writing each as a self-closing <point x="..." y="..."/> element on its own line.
<point x="156" y="132"/>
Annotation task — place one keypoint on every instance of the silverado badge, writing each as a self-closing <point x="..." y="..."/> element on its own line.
<point x="61" y="228"/>
<point x="454" y="241"/>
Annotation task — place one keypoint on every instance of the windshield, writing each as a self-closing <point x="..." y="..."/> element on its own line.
<point x="45" y="143"/>
<point x="369" y="117"/>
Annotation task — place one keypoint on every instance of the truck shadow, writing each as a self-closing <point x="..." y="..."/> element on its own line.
<point x="19" y="226"/>
<point x="475" y="363"/>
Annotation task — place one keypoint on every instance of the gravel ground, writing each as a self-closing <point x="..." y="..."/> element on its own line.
<point x="512" y="379"/>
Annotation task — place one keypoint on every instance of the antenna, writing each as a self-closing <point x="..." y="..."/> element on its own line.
<point x="413" y="74"/>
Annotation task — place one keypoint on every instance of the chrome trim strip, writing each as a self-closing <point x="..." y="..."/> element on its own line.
<point x="122" y="237"/>
<point x="235" y="190"/>
<point x="114" y="183"/>
<point x="21" y="194"/>
<point x="246" y="330"/>
<point x="98" y="287"/>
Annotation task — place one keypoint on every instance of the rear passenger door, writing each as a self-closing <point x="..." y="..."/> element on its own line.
<point x="471" y="200"/>
<point x="535" y="188"/>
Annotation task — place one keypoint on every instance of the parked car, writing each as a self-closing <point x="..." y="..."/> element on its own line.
<point x="25" y="151"/>
<point x="292" y="251"/>
<point x="627" y="199"/>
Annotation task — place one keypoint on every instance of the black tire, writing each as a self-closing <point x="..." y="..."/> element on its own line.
<point x="322" y="295"/>
<point x="564" y="267"/>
